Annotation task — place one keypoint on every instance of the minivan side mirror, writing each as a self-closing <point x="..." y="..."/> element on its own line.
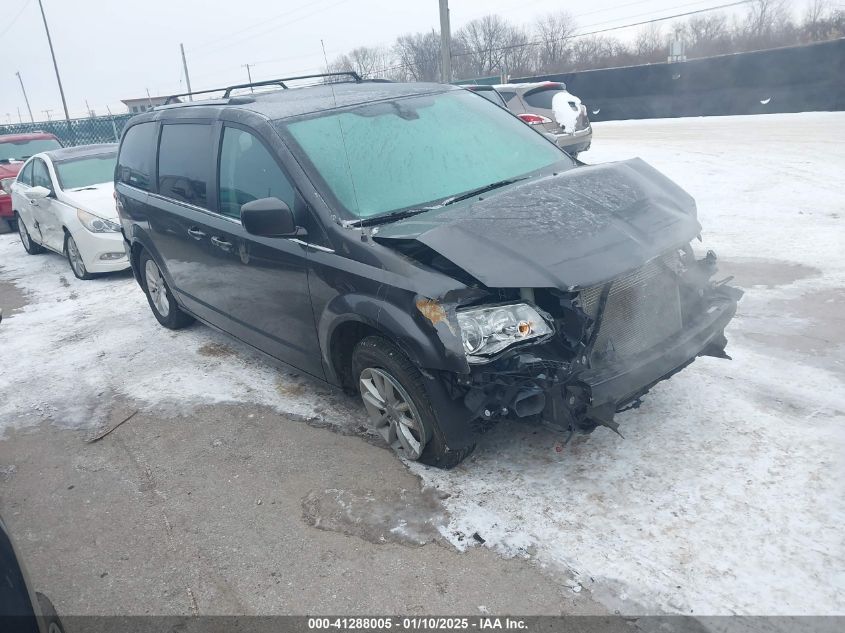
<point x="268" y="217"/>
<point x="38" y="193"/>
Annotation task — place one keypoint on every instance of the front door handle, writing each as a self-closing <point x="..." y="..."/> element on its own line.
<point x="221" y="244"/>
<point x="195" y="233"/>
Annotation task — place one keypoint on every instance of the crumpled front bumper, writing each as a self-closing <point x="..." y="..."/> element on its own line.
<point x="572" y="393"/>
<point x="616" y="384"/>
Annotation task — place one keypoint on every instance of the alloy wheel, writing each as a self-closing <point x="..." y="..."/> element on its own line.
<point x="75" y="257"/>
<point x="392" y="412"/>
<point x="156" y="288"/>
<point x="24" y="235"/>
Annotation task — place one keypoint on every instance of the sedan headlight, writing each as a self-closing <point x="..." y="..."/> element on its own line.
<point x="6" y="185"/>
<point x="486" y="331"/>
<point x="96" y="224"/>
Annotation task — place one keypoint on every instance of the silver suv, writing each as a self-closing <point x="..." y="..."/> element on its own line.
<point x="548" y="105"/>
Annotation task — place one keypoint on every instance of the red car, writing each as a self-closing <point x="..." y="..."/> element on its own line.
<point x="14" y="150"/>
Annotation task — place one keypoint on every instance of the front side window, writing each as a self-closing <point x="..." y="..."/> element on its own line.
<point x="184" y="163"/>
<point x="84" y="172"/>
<point x="136" y="162"/>
<point x="415" y="151"/>
<point x="249" y="172"/>
<point x="40" y="175"/>
<point x="21" y="150"/>
<point x="25" y="177"/>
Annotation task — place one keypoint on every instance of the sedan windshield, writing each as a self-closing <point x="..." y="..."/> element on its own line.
<point x="414" y="152"/>
<point x="84" y="172"/>
<point x="21" y="150"/>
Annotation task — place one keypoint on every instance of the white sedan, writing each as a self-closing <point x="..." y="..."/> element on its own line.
<point x="63" y="201"/>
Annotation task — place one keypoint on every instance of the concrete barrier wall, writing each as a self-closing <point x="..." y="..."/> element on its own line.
<point x="794" y="79"/>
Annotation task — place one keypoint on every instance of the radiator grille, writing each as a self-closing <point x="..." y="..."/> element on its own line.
<point x="643" y="308"/>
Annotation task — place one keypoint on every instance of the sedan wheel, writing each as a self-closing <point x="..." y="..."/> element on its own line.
<point x="29" y="246"/>
<point x="24" y="236"/>
<point x="156" y="288"/>
<point x="392" y="412"/>
<point x="74" y="258"/>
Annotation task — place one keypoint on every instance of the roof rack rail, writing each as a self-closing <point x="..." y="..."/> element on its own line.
<point x="227" y="91"/>
<point x="281" y="82"/>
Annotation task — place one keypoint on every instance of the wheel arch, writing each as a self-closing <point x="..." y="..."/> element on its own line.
<point x="350" y="318"/>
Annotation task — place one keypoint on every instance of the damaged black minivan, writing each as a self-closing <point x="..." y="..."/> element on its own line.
<point x="421" y="246"/>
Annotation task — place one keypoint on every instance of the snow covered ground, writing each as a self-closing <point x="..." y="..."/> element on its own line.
<point x="726" y="495"/>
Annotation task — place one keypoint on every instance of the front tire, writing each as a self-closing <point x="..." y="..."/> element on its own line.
<point x="161" y="301"/>
<point x="29" y="246"/>
<point x="394" y="394"/>
<point x="74" y="258"/>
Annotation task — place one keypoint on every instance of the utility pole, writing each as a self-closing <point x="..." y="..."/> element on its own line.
<point x="445" y="43"/>
<point x="55" y="65"/>
<point x="185" y="68"/>
<point x="25" y="98"/>
<point x="49" y="118"/>
<point x="249" y="74"/>
<point x="20" y="118"/>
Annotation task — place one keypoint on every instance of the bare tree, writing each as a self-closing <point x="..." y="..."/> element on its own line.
<point x="554" y="33"/>
<point x="482" y="42"/>
<point x="822" y="22"/>
<point x="418" y="55"/>
<point x="651" y="44"/>
<point x="766" y="22"/>
<point x="707" y="35"/>
<point x="367" y="61"/>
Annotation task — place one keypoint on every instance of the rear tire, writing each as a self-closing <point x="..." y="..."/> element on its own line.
<point x="29" y="246"/>
<point x="159" y="296"/>
<point x="376" y="362"/>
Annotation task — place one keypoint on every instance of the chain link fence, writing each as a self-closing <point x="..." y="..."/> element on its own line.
<point x="101" y="129"/>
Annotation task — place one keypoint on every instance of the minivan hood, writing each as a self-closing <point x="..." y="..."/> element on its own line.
<point x="98" y="199"/>
<point x="575" y="229"/>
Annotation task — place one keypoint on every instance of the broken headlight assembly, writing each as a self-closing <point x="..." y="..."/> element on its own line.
<point x="487" y="331"/>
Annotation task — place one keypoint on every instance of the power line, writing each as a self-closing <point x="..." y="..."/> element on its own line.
<point x="605" y="30"/>
<point x="15" y="19"/>
<point x="569" y="37"/>
<point x="213" y="42"/>
<point x="272" y="28"/>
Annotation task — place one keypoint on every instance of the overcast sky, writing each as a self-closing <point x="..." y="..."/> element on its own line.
<point x="113" y="50"/>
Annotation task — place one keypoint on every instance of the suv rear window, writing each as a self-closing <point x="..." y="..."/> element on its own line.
<point x="137" y="156"/>
<point x="541" y="98"/>
<point x="184" y="163"/>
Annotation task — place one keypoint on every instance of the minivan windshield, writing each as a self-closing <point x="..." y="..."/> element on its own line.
<point x="21" y="150"/>
<point x="84" y="172"/>
<point x="412" y="152"/>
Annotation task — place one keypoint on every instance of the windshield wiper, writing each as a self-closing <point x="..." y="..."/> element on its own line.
<point x="484" y="189"/>
<point x="388" y="217"/>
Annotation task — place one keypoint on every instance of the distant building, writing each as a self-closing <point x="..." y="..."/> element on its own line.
<point x="136" y="106"/>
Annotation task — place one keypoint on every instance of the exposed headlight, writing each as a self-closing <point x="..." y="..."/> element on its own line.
<point x="486" y="331"/>
<point x="6" y="184"/>
<point x="95" y="224"/>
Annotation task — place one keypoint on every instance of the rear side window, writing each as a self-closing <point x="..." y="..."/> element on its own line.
<point x="40" y="175"/>
<point x="249" y="172"/>
<point x="491" y="95"/>
<point x="510" y="98"/>
<point x="137" y="154"/>
<point x="184" y="163"/>
<point x="540" y="98"/>
<point x="25" y="177"/>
